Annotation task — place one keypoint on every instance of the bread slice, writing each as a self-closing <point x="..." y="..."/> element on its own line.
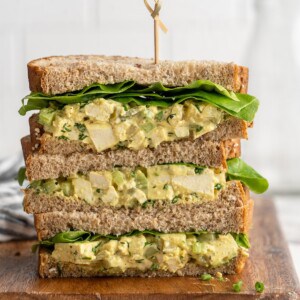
<point x="231" y="212"/>
<point x="232" y="128"/>
<point x="51" y="268"/>
<point x="60" y="74"/>
<point x="200" y="152"/>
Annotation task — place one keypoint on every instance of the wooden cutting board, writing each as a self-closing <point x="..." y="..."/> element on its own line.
<point x="270" y="262"/>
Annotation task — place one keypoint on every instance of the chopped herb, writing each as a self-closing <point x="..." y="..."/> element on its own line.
<point x="221" y="279"/>
<point x="65" y="128"/>
<point x="166" y="186"/>
<point x="96" y="248"/>
<point x="82" y="136"/>
<point x="237" y="286"/>
<point x="62" y="137"/>
<point x="170" y="117"/>
<point x="175" y="199"/>
<point x="139" y="260"/>
<point x="206" y="277"/>
<point x="198" y="170"/>
<point x="148" y="203"/>
<point x="98" y="190"/>
<point x="259" y="286"/>
<point x="159" y="116"/>
<point x="154" y="267"/>
<point x="198" y="128"/>
<point x="218" y="186"/>
<point x="87" y="258"/>
<point x="80" y="127"/>
<point x="170" y="133"/>
<point x="132" y="174"/>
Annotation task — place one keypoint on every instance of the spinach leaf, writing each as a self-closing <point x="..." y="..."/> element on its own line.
<point x="239" y="170"/>
<point x="238" y="105"/>
<point x="21" y="175"/>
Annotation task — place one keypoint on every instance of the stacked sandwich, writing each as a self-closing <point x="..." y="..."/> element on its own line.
<point x="134" y="168"/>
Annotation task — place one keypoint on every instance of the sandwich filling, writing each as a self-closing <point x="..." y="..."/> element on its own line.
<point x="148" y="250"/>
<point x="104" y="123"/>
<point x="171" y="183"/>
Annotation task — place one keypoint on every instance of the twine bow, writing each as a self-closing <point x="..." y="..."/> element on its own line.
<point x="155" y="14"/>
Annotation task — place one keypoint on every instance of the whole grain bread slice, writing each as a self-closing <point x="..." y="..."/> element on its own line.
<point x="200" y="152"/>
<point x="232" y="128"/>
<point x="51" y="268"/>
<point x="231" y="212"/>
<point x="59" y="74"/>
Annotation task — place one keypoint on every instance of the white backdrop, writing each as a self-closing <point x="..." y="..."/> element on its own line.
<point x="261" y="34"/>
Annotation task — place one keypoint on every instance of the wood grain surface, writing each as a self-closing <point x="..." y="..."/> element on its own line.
<point x="269" y="262"/>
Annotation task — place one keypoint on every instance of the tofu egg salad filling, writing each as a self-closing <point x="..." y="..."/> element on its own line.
<point x="171" y="183"/>
<point x="129" y="115"/>
<point x="146" y="250"/>
<point x="105" y="124"/>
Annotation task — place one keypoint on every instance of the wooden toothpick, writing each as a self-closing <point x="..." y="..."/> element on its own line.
<point x="157" y="24"/>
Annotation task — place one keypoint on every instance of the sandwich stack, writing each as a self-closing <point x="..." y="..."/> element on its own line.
<point x="135" y="168"/>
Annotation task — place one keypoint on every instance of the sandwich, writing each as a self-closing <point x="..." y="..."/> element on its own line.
<point x="135" y="168"/>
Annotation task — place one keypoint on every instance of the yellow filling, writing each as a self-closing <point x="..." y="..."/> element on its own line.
<point x="123" y="187"/>
<point x="105" y="124"/>
<point x="168" y="252"/>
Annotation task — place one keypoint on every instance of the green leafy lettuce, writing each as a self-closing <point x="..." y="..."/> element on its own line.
<point x="239" y="105"/>
<point x="21" y="175"/>
<point x="239" y="170"/>
<point x="85" y="236"/>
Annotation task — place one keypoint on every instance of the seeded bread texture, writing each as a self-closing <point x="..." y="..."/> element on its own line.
<point x="231" y="212"/>
<point x="232" y="128"/>
<point x="50" y="268"/>
<point x="203" y="153"/>
<point x="60" y="74"/>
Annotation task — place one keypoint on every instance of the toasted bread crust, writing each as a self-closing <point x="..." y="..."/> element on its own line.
<point x="224" y="215"/>
<point x="59" y="74"/>
<point x="50" y="268"/>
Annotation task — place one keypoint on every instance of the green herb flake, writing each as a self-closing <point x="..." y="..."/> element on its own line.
<point x="218" y="186"/>
<point x="198" y="128"/>
<point x="166" y="186"/>
<point x="81" y="127"/>
<point x="62" y="137"/>
<point x="98" y="190"/>
<point x="65" y="128"/>
<point x="82" y="136"/>
<point x="199" y="170"/>
<point x="206" y="277"/>
<point x="259" y="286"/>
<point x="237" y="287"/>
<point x="154" y="267"/>
<point x="175" y="199"/>
<point x="148" y="203"/>
<point x="139" y="260"/>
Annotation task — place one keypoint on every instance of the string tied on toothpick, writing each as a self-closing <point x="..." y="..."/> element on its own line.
<point x="157" y="24"/>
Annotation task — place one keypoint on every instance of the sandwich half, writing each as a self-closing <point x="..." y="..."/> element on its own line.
<point x="134" y="168"/>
